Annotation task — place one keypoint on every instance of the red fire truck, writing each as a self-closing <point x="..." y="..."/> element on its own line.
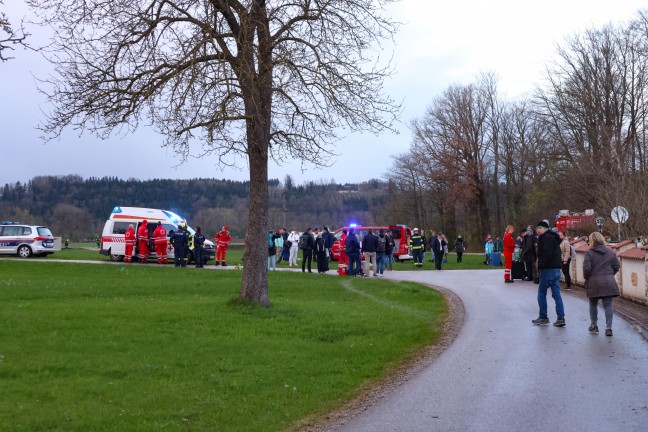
<point x="400" y="233"/>
<point x="567" y="221"/>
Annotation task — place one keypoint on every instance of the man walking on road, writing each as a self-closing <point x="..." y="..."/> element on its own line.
<point x="549" y="266"/>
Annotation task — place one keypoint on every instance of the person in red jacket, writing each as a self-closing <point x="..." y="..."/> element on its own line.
<point x="344" y="259"/>
<point x="509" y="248"/>
<point x="160" y="240"/>
<point x="130" y="243"/>
<point x="142" y="241"/>
<point x="223" y="240"/>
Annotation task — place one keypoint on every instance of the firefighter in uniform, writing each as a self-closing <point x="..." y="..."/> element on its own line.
<point x="189" y="241"/>
<point x="417" y="245"/>
<point x="160" y="241"/>
<point x="130" y="244"/>
<point x="142" y="241"/>
<point x="179" y="240"/>
<point x="223" y="240"/>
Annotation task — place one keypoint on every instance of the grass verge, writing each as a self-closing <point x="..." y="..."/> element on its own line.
<point x="140" y="348"/>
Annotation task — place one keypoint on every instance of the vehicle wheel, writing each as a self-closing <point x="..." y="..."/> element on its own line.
<point x="116" y="258"/>
<point x="190" y="257"/>
<point x="24" y="251"/>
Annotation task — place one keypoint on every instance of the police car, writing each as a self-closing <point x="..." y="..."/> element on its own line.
<point x="25" y="240"/>
<point x="113" y="239"/>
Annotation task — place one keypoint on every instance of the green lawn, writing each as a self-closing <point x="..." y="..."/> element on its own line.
<point x="131" y="348"/>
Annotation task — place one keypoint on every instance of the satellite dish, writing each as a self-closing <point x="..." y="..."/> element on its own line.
<point x="620" y="215"/>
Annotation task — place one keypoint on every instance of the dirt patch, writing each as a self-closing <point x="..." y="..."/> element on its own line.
<point x="403" y="373"/>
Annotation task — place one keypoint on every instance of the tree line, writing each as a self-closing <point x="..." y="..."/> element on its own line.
<point x="480" y="161"/>
<point x="77" y="208"/>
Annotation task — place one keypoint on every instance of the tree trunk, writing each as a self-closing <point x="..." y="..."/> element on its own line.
<point x="254" y="286"/>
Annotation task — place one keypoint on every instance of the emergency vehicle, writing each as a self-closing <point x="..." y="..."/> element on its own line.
<point x="113" y="241"/>
<point x="567" y="221"/>
<point x="399" y="233"/>
<point x="25" y="240"/>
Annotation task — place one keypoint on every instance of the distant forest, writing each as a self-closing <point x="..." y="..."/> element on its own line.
<point x="77" y="208"/>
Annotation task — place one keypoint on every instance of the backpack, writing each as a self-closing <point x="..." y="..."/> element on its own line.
<point x="382" y="244"/>
<point x="271" y="242"/>
<point x="459" y="247"/>
<point x="572" y="253"/>
<point x="303" y="241"/>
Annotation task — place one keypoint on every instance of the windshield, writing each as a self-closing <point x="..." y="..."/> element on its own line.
<point x="43" y="231"/>
<point x="177" y="220"/>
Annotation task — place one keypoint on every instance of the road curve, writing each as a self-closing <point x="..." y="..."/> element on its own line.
<point x="503" y="374"/>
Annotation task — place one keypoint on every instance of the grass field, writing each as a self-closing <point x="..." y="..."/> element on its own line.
<point x="131" y="348"/>
<point x="88" y="251"/>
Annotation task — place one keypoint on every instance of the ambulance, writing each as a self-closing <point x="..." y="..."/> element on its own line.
<point x="113" y="241"/>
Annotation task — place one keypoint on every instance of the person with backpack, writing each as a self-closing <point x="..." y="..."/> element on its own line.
<point x="460" y="248"/>
<point x="353" y="253"/>
<point x="272" y="250"/>
<point x="307" y="244"/>
<point x="566" y="252"/>
<point x="381" y="253"/>
<point x="370" y="250"/>
<point x="320" y="253"/>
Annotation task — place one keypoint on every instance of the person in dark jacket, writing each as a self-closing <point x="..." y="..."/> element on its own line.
<point x="320" y="254"/>
<point x="416" y="246"/>
<point x="370" y="250"/>
<point x="353" y="253"/>
<point x="199" y="241"/>
<point x="549" y="266"/>
<point x="179" y="241"/>
<point x="460" y="248"/>
<point x="599" y="268"/>
<point x="272" y="250"/>
<point x="308" y="242"/>
<point x="436" y="246"/>
<point x="528" y="254"/>
<point x="329" y="239"/>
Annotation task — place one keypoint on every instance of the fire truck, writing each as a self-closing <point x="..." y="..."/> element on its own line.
<point x="567" y="221"/>
<point x="399" y="233"/>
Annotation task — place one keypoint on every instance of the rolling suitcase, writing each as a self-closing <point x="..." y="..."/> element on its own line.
<point x="517" y="271"/>
<point x="496" y="259"/>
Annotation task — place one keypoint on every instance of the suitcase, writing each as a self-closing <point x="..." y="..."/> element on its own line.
<point x="496" y="259"/>
<point x="517" y="271"/>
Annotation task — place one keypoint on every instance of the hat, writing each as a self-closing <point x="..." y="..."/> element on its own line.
<point x="225" y="228"/>
<point x="416" y="229"/>
<point x="543" y="224"/>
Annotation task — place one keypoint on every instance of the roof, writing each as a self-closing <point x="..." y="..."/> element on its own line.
<point x="616" y="246"/>
<point x="635" y="253"/>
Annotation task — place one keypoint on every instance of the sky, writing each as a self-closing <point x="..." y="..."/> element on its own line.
<point x="440" y="43"/>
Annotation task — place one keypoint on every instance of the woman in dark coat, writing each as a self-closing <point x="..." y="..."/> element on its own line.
<point x="599" y="268"/>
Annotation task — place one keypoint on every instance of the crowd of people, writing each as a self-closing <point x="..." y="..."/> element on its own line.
<point x="542" y="253"/>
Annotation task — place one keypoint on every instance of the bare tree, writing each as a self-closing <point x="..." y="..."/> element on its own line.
<point x="10" y="36"/>
<point x="259" y="78"/>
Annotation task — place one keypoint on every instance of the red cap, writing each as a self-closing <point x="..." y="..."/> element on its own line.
<point x="225" y="228"/>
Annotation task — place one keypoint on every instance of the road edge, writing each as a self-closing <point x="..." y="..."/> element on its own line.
<point x="403" y="373"/>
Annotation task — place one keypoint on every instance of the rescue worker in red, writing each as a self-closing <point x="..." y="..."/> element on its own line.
<point x="223" y="240"/>
<point x="130" y="243"/>
<point x="509" y="248"/>
<point x="160" y="240"/>
<point x="344" y="259"/>
<point x="142" y="241"/>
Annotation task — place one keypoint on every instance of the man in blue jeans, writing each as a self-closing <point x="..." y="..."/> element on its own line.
<point x="549" y="265"/>
<point x="353" y="253"/>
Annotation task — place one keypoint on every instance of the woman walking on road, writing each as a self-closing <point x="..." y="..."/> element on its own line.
<point x="599" y="268"/>
<point x="509" y="248"/>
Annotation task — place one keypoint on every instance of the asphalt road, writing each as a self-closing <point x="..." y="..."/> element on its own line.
<point x="504" y="374"/>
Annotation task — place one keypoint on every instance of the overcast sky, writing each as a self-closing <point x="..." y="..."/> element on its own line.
<point x="440" y="43"/>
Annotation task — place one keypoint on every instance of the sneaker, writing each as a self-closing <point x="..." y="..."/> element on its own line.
<point x="608" y="332"/>
<point x="540" y="321"/>
<point x="593" y="329"/>
<point x="560" y="322"/>
<point x="568" y="288"/>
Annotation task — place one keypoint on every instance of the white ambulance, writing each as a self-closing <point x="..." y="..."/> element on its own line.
<point x="113" y="242"/>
